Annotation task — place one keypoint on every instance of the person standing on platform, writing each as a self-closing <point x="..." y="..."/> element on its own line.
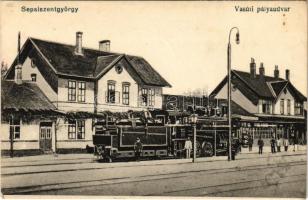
<point x="250" y="142"/>
<point x="260" y="144"/>
<point x="278" y="144"/>
<point x="138" y="149"/>
<point x="188" y="147"/>
<point x="273" y="149"/>
<point x="286" y="144"/>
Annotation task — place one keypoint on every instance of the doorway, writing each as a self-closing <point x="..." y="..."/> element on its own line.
<point x="46" y="136"/>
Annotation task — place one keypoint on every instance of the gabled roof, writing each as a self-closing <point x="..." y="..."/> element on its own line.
<point x="257" y="84"/>
<point x="263" y="87"/>
<point x="63" y="60"/>
<point x="278" y="86"/>
<point x="26" y="96"/>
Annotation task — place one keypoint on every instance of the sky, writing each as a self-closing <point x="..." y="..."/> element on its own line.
<point x="186" y="42"/>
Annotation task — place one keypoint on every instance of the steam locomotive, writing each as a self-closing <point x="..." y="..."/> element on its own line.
<point x="159" y="140"/>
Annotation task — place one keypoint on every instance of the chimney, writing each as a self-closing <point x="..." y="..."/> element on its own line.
<point x="18" y="67"/>
<point x="104" y="45"/>
<point x="287" y="74"/>
<point x="18" y="74"/>
<point x="261" y="70"/>
<point x="78" y="49"/>
<point x="252" y="68"/>
<point x="276" y="72"/>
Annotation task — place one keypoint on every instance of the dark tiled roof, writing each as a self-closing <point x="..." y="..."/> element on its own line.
<point x="278" y="86"/>
<point x="147" y="73"/>
<point x="257" y="84"/>
<point x="93" y="62"/>
<point x="259" y="87"/>
<point x="26" y="96"/>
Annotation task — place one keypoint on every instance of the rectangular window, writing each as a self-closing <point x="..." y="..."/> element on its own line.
<point x="289" y="106"/>
<point x="76" y="129"/>
<point x="33" y="77"/>
<point x="72" y="90"/>
<point x="72" y="129"/>
<point x="144" y="97"/>
<point x="81" y="91"/>
<point x="125" y="94"/>
<point x="266" y="106"/>
<point x="298" y="108"/>
<point x="14" y="127"/>
<point x="81" y="129"/>
<point x="282" y="106"/>
<point x="151" y="97"/>
<point x="111" y="92"/>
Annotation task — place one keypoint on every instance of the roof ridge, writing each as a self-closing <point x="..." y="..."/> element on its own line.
<point x="63" y="43"/>
<point x="281" y="79"/>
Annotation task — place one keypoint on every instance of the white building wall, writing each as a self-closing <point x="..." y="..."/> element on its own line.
<point x="62" y="135"/>
<point x="239" y="98"/>
<point x="71" y="106"/>
<point x="27" y="70"/>
<point x="284" y="96"/>
<point x="123" y="77"/>
<point x="29" y="136"/>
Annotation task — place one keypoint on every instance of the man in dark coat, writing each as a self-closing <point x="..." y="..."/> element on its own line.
<point x="138" y="149"/>
<point x="273" y="143"/>
<point x="260" y="144"/>
<point x="250" y="142"/>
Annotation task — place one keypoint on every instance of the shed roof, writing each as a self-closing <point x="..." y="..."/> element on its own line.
<point x="26" y="96"/>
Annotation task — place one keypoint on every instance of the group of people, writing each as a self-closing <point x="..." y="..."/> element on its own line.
<point x="275" y="143"/>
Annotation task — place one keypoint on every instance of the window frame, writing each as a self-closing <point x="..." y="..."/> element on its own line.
<point x="109" y="90"/>
<point x="76" y="128"/>
<point x="288" y="106"/>
<point x="151" y="96"/>
<point x="14" y="126"/>
<point x="81" y="93"/>
<point x="72" y="129"/>
<point x="72" y="90"/>
<point x="125" y="93"/>
<point x="81" y="126"/>
<point x="298" y="108"/>
<point x="282" y="106"/>
<point x="33" y="77"/>
<point x="144" y="96"/>
<point x="267" y="108"/>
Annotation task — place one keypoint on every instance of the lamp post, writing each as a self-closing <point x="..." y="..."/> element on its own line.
<point x="193" y="119"/>
<point x="229" y="86"/>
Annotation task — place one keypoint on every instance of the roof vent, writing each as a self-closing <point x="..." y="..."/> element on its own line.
<point x="104" y="45"/>
<point x="78" y="48"/>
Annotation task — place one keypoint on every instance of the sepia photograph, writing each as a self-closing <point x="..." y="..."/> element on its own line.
<point x="142" y="99"/>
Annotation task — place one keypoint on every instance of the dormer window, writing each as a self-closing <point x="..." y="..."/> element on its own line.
<point x="33" y="77"/>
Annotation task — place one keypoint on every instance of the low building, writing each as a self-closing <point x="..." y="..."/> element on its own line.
<point x="277" y="104"/>
<point x="28" y="119"/>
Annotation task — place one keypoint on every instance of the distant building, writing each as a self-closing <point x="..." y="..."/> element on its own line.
<point x="277" y="104"/>
<point x="85" y="83"/>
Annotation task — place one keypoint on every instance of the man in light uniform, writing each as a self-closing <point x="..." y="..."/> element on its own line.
<point x="188" y="147"/>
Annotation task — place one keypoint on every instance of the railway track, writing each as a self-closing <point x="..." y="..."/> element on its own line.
<point x="53" y="188"/>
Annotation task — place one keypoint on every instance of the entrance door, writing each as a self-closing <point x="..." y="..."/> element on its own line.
<point x="45" y="137"/>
